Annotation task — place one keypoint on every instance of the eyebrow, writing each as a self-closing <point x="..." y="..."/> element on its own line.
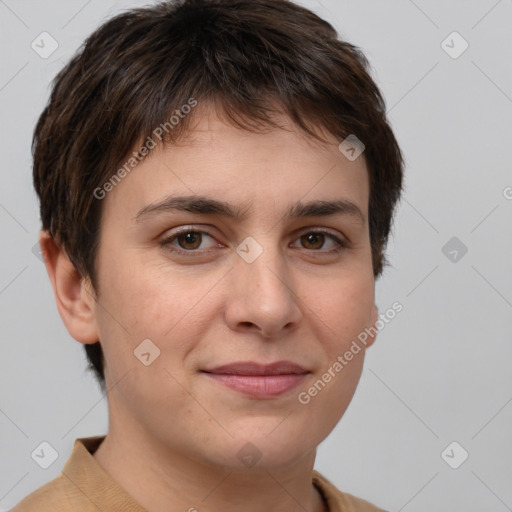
<point x="207" y="206"/>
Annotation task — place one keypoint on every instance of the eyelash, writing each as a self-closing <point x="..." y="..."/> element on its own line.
<point x="166" y="242"/>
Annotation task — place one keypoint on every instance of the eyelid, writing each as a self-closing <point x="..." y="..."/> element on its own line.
<point x="340" y="240"/>
<point x="321" y="229"/>
<point x="168" y="239"/>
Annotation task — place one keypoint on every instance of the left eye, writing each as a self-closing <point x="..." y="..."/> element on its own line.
<point x="317" y="239"/>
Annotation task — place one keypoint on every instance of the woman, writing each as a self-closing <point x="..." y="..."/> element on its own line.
<point x="217" y="182"/>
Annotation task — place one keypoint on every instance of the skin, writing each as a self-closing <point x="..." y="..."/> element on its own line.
<point x="175" y="433"/>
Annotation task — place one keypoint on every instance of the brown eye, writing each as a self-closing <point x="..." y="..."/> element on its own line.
<point x="189" y="240"/>
<point x="322" y="242"/>
<point x="313" y="240"/>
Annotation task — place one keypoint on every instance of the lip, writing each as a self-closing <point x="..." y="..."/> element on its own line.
<point x="256" y="369"/>
<point x="259" y="380"/>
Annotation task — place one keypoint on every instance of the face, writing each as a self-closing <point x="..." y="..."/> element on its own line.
<point x="209" y="289"/>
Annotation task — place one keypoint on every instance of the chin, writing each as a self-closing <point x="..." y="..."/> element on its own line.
<point x="265" y="446"/>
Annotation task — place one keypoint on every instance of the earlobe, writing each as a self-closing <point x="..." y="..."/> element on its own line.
<point x="75" y="302"/>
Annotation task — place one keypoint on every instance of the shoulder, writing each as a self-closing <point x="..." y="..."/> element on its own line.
<point x="339" y="501"/>
<point x="358" y="504"/>
<point x="52" y="496"/>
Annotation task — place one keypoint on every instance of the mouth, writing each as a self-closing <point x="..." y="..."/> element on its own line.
<point x="259" y="380"/>
<point x="252" y="368"/>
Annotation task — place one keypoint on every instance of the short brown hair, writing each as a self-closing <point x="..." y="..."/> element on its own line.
<point x="246" y="56"/>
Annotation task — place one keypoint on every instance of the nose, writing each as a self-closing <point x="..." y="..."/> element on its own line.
<point x="263" y="296"/>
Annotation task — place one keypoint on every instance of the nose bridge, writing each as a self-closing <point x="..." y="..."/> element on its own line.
<point x="265" y="295"/>
<point x="265" y="272"/>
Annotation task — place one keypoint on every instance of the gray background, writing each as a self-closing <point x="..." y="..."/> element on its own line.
<point x="439" y="372"/>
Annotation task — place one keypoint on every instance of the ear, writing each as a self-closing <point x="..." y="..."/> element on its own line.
<point x="374" y="316"/>
<point x="74" y="296"/>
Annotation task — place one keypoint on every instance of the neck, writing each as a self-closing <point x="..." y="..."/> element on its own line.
<point x="163" y="479"/>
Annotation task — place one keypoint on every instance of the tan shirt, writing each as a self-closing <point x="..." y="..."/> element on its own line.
<point x="84" y="486"/>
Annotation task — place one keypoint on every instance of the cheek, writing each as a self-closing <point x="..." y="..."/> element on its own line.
<point x="342" y="308"/>
<point x="153" y="296"/>
<point x="171" y="308"/>
<point x="326" y="398"/>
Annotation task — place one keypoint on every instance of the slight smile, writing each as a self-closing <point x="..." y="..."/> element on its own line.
<point x="259" y="380"/>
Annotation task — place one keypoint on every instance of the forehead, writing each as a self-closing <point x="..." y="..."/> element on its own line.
<point x="217" y="159"/>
